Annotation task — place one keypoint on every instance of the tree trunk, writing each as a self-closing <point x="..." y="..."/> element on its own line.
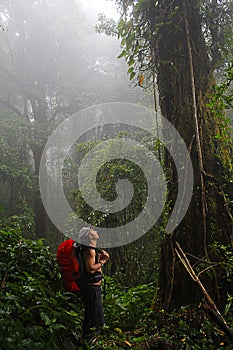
<point x="181" y="52"/>
<point x="41" y="218"/>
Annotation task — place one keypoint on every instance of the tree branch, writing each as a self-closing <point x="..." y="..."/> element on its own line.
<point x="14" y="109"/>
<point x="209" y="306"/>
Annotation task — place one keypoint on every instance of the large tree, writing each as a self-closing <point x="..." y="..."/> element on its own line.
<point x="181" y="43"/>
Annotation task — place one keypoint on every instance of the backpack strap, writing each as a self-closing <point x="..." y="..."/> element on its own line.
<point x="85" y="247"/>
<point x="96" y="276"/>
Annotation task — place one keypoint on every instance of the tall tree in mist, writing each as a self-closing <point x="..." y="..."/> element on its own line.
<point x="183" y="42"/>
<point x="34" y="50"/>
<point x="51" y="65"/>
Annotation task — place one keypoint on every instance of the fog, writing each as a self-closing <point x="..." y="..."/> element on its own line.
<point x="52" y="65"/>
<point x="93" y="7"/>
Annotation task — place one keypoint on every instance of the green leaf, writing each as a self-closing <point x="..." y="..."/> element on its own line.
<point x="130" y="70"/>
<point x="131" y="61"/>
<point x="132" y="75"/>
<point x="122" y="54"/>
<point x="45" y="318"/>
<point x="227" y="308"/>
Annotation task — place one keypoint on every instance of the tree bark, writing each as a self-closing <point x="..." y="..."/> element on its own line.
<point x="185" y="82"/>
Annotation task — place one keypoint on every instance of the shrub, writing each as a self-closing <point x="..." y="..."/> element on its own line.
<point x="35" y="313"/>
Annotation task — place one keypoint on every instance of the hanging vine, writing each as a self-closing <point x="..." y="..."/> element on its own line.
<point x="197" y="132"/>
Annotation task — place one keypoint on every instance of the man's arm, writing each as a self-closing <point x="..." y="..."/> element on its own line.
<point x="91" y="264"/>
<point x="90" y="260"/>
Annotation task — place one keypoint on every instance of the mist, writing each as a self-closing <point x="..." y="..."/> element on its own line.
<point x="52" y="64"/>
<point x="52" y="49"/>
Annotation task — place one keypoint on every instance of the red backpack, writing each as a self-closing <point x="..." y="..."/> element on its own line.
<point x="70" y="259"/>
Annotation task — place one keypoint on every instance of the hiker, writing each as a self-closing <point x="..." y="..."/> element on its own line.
<point x="94" y="260"/>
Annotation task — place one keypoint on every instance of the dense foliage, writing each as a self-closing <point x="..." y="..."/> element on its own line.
<point x="137" y="262"/>
<point x="37" y="314"/>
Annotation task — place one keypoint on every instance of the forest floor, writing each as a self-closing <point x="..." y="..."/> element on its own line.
<point x="187" y="328"/>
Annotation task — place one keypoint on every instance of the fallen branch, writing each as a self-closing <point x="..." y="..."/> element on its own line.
<point x="209" y="305"/>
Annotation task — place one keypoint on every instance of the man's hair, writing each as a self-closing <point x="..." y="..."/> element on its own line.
<point x="83" y="234"/>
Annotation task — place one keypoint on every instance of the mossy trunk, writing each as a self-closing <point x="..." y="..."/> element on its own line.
<point x="196" y="233"/>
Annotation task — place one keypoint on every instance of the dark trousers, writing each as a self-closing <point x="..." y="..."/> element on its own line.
<point x="93" y="310"/>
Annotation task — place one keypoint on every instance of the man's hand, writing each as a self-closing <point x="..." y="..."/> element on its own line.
<point x="104" y="256"/>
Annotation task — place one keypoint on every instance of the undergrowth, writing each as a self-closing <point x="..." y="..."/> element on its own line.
<point x="139" y="325"/>
<point x="35" y="312"/>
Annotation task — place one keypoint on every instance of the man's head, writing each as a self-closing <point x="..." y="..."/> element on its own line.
<point x="88" y="235"/>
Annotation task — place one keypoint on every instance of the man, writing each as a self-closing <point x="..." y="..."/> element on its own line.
<point x="94" y="261"/>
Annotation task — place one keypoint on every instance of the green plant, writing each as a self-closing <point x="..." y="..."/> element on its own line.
<point x="127" y="308"/>
<point x="35" y="313"/>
